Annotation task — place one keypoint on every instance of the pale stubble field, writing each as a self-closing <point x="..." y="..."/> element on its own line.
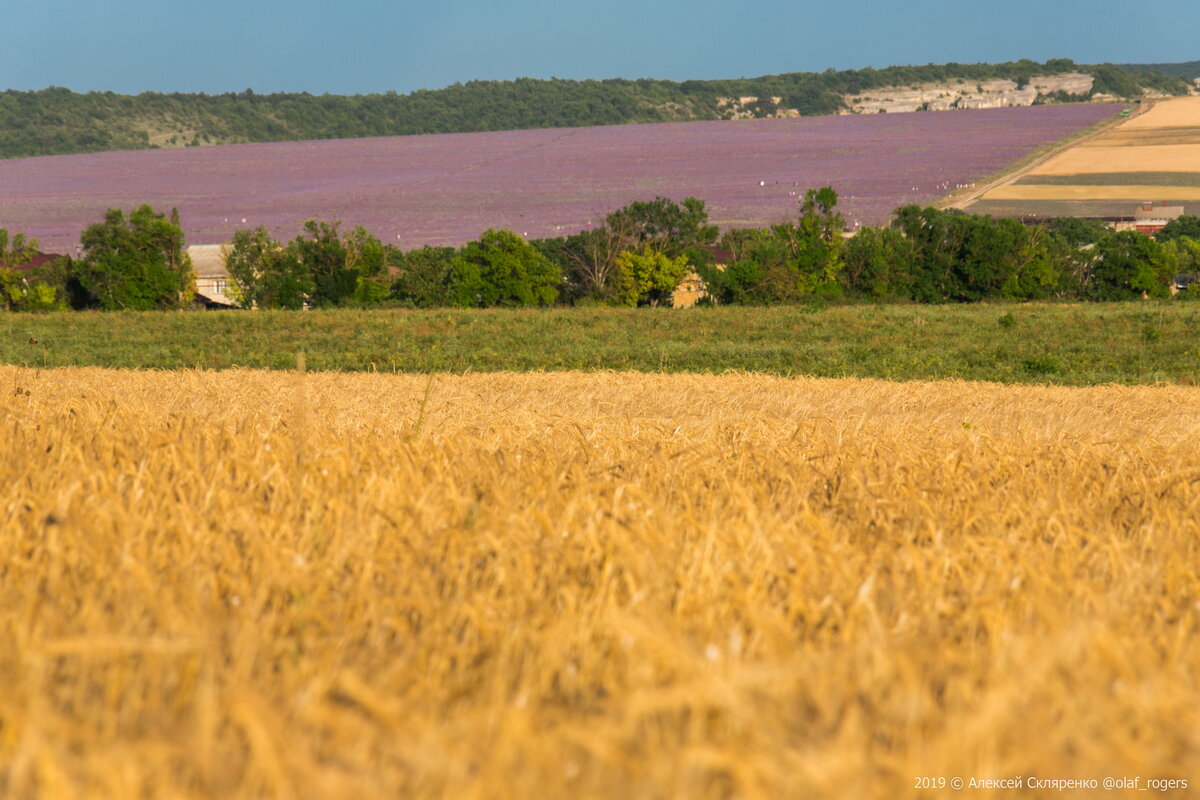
<point x="249" y="584"/>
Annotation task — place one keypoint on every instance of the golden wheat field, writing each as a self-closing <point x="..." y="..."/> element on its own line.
<point x="244" y="584"/>
<point x="1126" y="158"/>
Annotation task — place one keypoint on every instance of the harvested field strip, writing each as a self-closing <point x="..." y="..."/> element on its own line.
<point x="1181" y="112"/>
<point x="1144" y="136"/>
<point x="1113" y="179"/>
<point x="243" y="584"/>
<point x="1133" y="193"/>
<point x="1152" y="158"/>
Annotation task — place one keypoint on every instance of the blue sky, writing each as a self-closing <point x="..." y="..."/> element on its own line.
<point x="355" y="46"/>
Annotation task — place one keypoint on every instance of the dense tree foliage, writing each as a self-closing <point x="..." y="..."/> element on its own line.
<point x="880" y="264"/>
<point x="648" y="277"/>
<point x="267" y="274"/>
<point x="965" y="258"/>
<point x="1129" y="265"/>
<point x="502" y="269"/>
<point x="349" y="269"/>
<point x="137" y="263"/>
<point x="56" y="120"/>
<point x="21" y="288"/>
<point x="664" y="225"/>
<point x="596" y="263"/>
<point x="786" y="263"/>
<point x="1187" y="225"/>
<point x="1078" y="232"/>
<point x="16" y="250"/>
<point x="423" y="277"/>
<point x="320" y="267"/>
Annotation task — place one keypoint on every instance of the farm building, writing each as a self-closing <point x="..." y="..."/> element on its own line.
<point x="39" y="260"/>
<point x="212" y="278"/>
<point x="1150" y="219"/>
<point x="692" y="288"/>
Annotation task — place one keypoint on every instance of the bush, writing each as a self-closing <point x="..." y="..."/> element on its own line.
<point x="648" y="278"/>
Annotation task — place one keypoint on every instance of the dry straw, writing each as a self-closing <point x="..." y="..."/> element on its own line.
<point x="247" y="584"/>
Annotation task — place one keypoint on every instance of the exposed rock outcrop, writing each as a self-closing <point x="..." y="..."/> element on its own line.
<point x="996" y="93"/>
<point x="754" y="108"/>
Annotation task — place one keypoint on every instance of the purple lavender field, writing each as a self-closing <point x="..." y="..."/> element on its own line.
<point x="446" y="189"/>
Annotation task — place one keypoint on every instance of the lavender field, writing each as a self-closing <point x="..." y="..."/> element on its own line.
<point x="446" y="189"/>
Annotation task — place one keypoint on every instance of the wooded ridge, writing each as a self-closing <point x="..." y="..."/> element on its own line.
<point x="59" y="121"/>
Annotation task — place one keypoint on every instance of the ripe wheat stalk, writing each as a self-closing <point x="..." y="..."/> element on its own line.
<point x="242" y="584"/>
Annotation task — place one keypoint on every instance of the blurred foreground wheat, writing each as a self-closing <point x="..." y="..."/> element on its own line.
<point x="245" y="584"/>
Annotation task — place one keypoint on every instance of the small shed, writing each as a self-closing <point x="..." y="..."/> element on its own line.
<point x="213" y="281"/>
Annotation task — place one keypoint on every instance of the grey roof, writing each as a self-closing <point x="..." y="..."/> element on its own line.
<point x="208" y="260"/>
<point x="1147" y="211"/>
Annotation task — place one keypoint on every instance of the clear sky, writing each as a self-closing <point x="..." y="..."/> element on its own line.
<point x="358" y="46"/>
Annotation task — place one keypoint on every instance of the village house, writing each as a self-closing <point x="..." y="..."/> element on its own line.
<point x="213" y="281"/>
<point x="689" y="291"/>
<point x="692" y="289"/>
<point x="1150" y="219"/>
<point x="39" y="259"/>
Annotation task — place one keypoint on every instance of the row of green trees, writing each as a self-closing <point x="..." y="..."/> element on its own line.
<point x="645" y="249"/>
<point x="133" y="263"/>
<point x="638" y="257"/>
<point x="931" y="256"/>
<point x="139" y="262"/>
<point x="56" y="120"/>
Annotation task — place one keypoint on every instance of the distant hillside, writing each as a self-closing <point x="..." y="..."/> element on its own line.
<point x="1185" y="69"/>
<point x="57" y="121"/>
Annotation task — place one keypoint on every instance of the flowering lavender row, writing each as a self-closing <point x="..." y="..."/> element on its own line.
<point x="446" y="189"/>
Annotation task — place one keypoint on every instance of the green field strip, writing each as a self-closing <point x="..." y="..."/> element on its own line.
<point x="1048" y="209"/>
<point x="1113" y="179"/>
<point x="1070" y="343"/>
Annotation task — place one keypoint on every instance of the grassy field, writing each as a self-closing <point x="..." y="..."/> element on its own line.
<point x="1077" y="344"/>
<point x="250" y="584"/>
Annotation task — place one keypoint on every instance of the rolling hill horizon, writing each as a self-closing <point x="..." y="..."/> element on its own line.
<point x="57" y="121"/>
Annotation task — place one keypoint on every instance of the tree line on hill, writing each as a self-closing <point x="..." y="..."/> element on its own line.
<point x="1181" y="69"/>
<point x="638" y="257"/>
<point x="57" y="121"/>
